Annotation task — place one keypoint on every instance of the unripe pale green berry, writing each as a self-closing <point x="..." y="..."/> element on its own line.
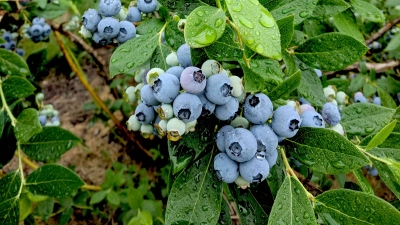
<point x="161" y="127"/>
<point x="341" y="98"/>
<point x="329" y="93"/>
<point x="129" y="95"/>
<point x="85" y="33"/>
<point x="175" y="128"/>
<point x="146" y="130"/>
<point x="172" y="59"/>
<point x="133" y="123"/>
<point x="237" y="86"/>
<point x="211" y="67"/>
<point x="240" y="122"/>
<point x="190" y="126"/>
<point x="241" y="183"/>
<point x="165" y="111"/>
<point x="39" y="96"/>
<point x="181" y="24"/>
<point x="153" y="75"/>
<point x="338" y="128"/>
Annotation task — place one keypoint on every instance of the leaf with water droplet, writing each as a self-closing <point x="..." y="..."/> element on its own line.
<point x="12" y="64"/>
<point x="16" y="87"/>
<point x="286" y="87"/>
<point x="293" y="196"/>
<point x="174" y="37"/>
<point x="345" y="22"/>
<point x="228" y="44"/>
<point x="345" y="206"/>
<point x="158" y="59"/>
<point x="288" y="7"/>
<point x="9" y="198"/>
<point x="325" y="150"/>
<point x="276" y="175"/>
<point x="381" y="136"/>
<point x="286" y="28"/>
<point x="363" y="182"/>
<point x="328" y="8"/>
<point x="253" y="18"/>
<point x="27" y="125"/>
<point x="367" y="11"/>
<point x="386" y="99"/>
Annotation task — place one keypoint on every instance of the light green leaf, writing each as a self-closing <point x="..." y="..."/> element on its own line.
<point x="392" y="3"/>
<point x="143" y="218"/>
<point x="328" y="8"/>
<point x="381" y="136"/>
<point x="25" y="207"/>
<point x="54" y="181"/>
<point x="367" y="11"/>
<point x="330" y="51"/>
<point x="286" y="29"/>
<point x="255" y="21"/>
<point x="98" y="197"/>
<point x="286" y="87"/>
<point x="345" y="22"/>
<point x="325" y="150"/>
<point x="365" y="118"/>
<point x="204" y="26"/>
<point x="12" y="64"/>
<point x="41" y="3"/>
<point x="363" y="182"/>
<point x="357" y="83"/>
<point x="27" y="125"/>
<point x="369" y="90"/>
<point x="113" y="198"/>
<point x="225" y="216"/>
<point x="9" y="198"/>
<point x="151" y="27"/>
<point x="196" y="195"/>
<point x="300" y="8"/>
<point x="158" y="59"/>
<point x="353" y="207"/>
<point x="392" y="141"/>
<point x="386" y="99"/>
<point x="292" y="205"/>
<point x="16" y="87"/>
<point x="226" y="48"/>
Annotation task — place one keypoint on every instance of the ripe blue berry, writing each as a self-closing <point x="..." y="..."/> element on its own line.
<point x="312" y="119"/>
<point x="147" y="6"/>
<point x="176" y="70"/>
<point x="187" y="107"/>
<point x="218" y="89"/>
<point x="359" y="97"/>
<point x="36" y="39"/>
<point x="184" y="57"/>
<point x="207" y="106"/>
<point x="144" y="113"/>
<point x="108" y="27"/>
<point x="91" y="19"/>
<point x="240" y="144"/>
<point x="20" y="52"/>
<point x="257" y="108"/>
<point x="227" y="111"/>
<point x="7" y="36"/>
<point x="43" y="120"/>
<point x="134" y="15"/>
<point x="373" y="171"/>
<point x="109" y="7"/>
<point x="193" y="80"/>
<point x="55" y="119"/>
<point x="255" y="170"/>
<point x="147" y="96"/>
<point x="35" y="30"/>
<point x="221" y="135"/>
<point x="303" y="101"/>
<point x="225" y="168"/>
<point x="166" y="88"/>
<point x="286" y="121"/>
<point x="39" y="21"/>
<point x="46" y="30"/>
<point x="127" y="31"/>
<point x="12" y="45"/>
<point x="330" y="113"/>
<point x="377" y="101"/>
<point x="100" y="40"/>
<point x="267" y="142"/>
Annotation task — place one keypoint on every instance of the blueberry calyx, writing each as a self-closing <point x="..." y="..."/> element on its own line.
<point x="108" y="30"/>
<point x="235" y="148"/>
<point x="294" y="125"/>
<point x="84" y="21"/>
<point x="123" y="31"/>
<point x="257" y="178"/>
<point x="254" y="101"/>
<point x="317" y="120"/>
<point x="198" y="76"/>
<point x="148" y="1"/>
<point x="141" y="117"/>
<point x="226" y="90"/>
<point x="184" y="114"/>
<point x="218" y="175"/>
<point x="157" y="85"/>
<point x="205" y="112"/>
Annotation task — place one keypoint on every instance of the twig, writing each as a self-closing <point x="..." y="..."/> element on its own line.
<point x="378" y="67"/>
<point x="381" y="31"/>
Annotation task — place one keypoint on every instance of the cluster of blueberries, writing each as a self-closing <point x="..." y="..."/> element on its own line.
<point x="103" y="28"/>
<point x="11" y="44"/>
<point x="39" y="31"/>
<point x="47" y="115"/>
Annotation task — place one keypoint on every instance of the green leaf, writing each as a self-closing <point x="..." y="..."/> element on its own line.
<point x="389" y="84"/>
<point x="363" y="182"/>
<point x="196" y="195"/>
<point x="341" y="85"/>
<point x="16" y="87"/>
<point x="158" y="59"/>
<point x="135" y="198"/>
<point x="45" y="208"/>
<point x="381" y="136"/>
<point x="185" y="7"/>
<point x="133" y="54"/>
<point x="98" y="197"/>
<point x="25" y="207"/>
<point x="369" y="90"/>
<point x="345" y="22"/>
<point x="66" y="216"/>
<point x="392" y="141"/>
<point x="143" y="218"/>
<point x="386" y="99"/>
<point x="328" y="8"/>
<point x="54" y="181"/>
<point x="53" y="11"/>
<point x="225" y="216"/>
<point x="198" y="56"/>
<point x="151" y="27"/>
<point x="255" y="21"/>
<point x="277" y="175"/>
<point x="41" y="3"/>
<point x="286" y="29"/>
<point x="3" y="117"/>
<point x="226" y="48"/>
<point x="325" y="150"/>
<point x="286" y="86"/>
<point x="204" y="26"/>
<point x="365" y="118"/>
<point x="290" y="65"/>
<point x="353" y="207"/>
<point x="9" y="198"/>
<point x="357" y="83"/>
<point x="292" y="205"/>
<point x="27" y="125"/>
<point x="300" y="8"/>
<point x="174" y="37"/>
<point x="314" y="27"/>
<point x="51" y="143"/>
<point x="392" y="3"/>
<point x="112" y="198"/>
<point x="394" y="43"/>
<point x="367" y="11"/>
<point x="330" y="51"/>
<point x="12" y="64"/>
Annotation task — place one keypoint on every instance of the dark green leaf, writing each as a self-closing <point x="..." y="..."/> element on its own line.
<point x="365" y="118"/>
<point x="357" y="83"/>
<point x="151" y="26"/>
<point x="389" y="84"/>
<point x="290" y="65"/>
<point x="225" y="216"/>
<point x="353" y="207"/>
<point x="27" y="125"/>
<point x="325" y="150"/>
<point x="392" y="141"/>
<point x="301" y="9"/>
<point x="270" y="4"/>
<point x="386" y="99"/>
<point x="363" y="182"/>
<point x="66" y="216"/>
<point x="3" y="117"/>
<point x="198" y="56"/>
<point x="346" y="23"/>
<point x="98" y="197"/>
<point x="314" y="27"/>
<point x="276" y="176"/>
<point x="286" y="29"/>
<point x="112" y="198"/>
<point x="16" y="87"/>
<point x="367" y="11"/>
<point x="394" y="43"/>
<point x="340" y="84"/>
<point x="9" y="198"/>
<point x="196" y="195"/>
<point x="381" y="136"/>
<point x="255" y="21"/>
<point x="133" y="54"/>
<point x="45" y="208"/>
<point x="184" y="6"/>
<point x="12" y="64"/>
<point x="286" y="86"/>
<point x="53" y="10"/>
<point x="8" y="144"/>
<point x="54" y="181"/>
<point x="135" y="198"/>
<point x="299" y="38"/>
<point x="328" y="8"/>
<point x="174" y="37"/>
<point x="369" y="90"/>
<point x="51" y="143"/>
<point x="292" y="205"/>
<point x="158" y="59"/>
<point x="330" y="51"/>
<point x="226" y="48"/>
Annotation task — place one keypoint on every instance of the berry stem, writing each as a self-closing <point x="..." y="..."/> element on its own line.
<point x="20" y="169"/>
<point x="5" y="106"/>
<point x="218" y="4"/>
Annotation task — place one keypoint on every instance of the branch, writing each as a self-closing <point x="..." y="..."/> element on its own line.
<point x="378" y="67"/>
<point x="381" y="31"/>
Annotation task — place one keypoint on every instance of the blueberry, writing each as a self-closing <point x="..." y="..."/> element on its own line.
<point x="318" y="72"/>
<point x="42" y="120"/>
<point x="267" y="142"/>
<point x="127" y="31"/>
<point x="373" y="171"/>
<point x="193" y="80"/>
<point x="377" y="101"/>
<point x="5" y="45"/>
<point x="225" y="168"/>
<point x="54" y="119"/>
<point x="147" y="6"/>
<point x="91" y="19"/>
<point x="312" y="119"/>
<point x="144" y="113"/>
<point x="359" y="97"/>
<point x="147" y="95"/>
<point x="207" y="106"/>
<point x="237" y="86"/>
<point x="100" y="40"/>
<point x="286" y="121"/>
<point x="175" y="128"/>
<point x="109" y="7"/>
<point x="134" y="15"/>
<point x="221" y="135"/>
<point x="35" y="30"/>
<point x="255" y="170"/>
<point x="211" y="67"/>
<point x="175" y="70"/>
<point x="218" y="89"/>
<point x="304" y="101"/>
<point x="46" y="30"/>
<point x="330" y="113"/>
<point x="12" y="45"/>
<point x="7" y="36"/>
<point x="184" y="57"/>
<point x="227" y="111"/>
<point x="108" y="27"/>
<point x="305" y="108"/>
<point x="240" y="144"/>
<point x="20" y="52"/>
<point x="187" y="107"/>
<point x="166" y="88"/>
<point x="172" y="59"/>
<point x="133" y="123"/>
<point x="257" y="108"/>
<point x="39" y="21"/>
<point x="36" y="39"/>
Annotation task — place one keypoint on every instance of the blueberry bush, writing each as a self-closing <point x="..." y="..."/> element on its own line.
<point x="257" y="103"/>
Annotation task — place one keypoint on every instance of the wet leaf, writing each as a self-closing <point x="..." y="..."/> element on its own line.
<point x="345" y="22"/>
<point x="286" y="29"/>
<point x="27" y="125"/>
<point x="225" y="48"/>
<point x="381" y="136"/>
<point x="9" y="198"/>
<point x="328" y="8"/>
<point x="300" y="8"/>
<point x="394" y="43"/>
<point x="174" y="37"/>
<point x="158" y="59"/>
<point x="367" y="11"/>
<point x="12" y="64"/>
<point x="363" y="182"/>
<point x="286" y="87"/>
<point x="16" y="87"/>
<point x="386" y="99"/>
